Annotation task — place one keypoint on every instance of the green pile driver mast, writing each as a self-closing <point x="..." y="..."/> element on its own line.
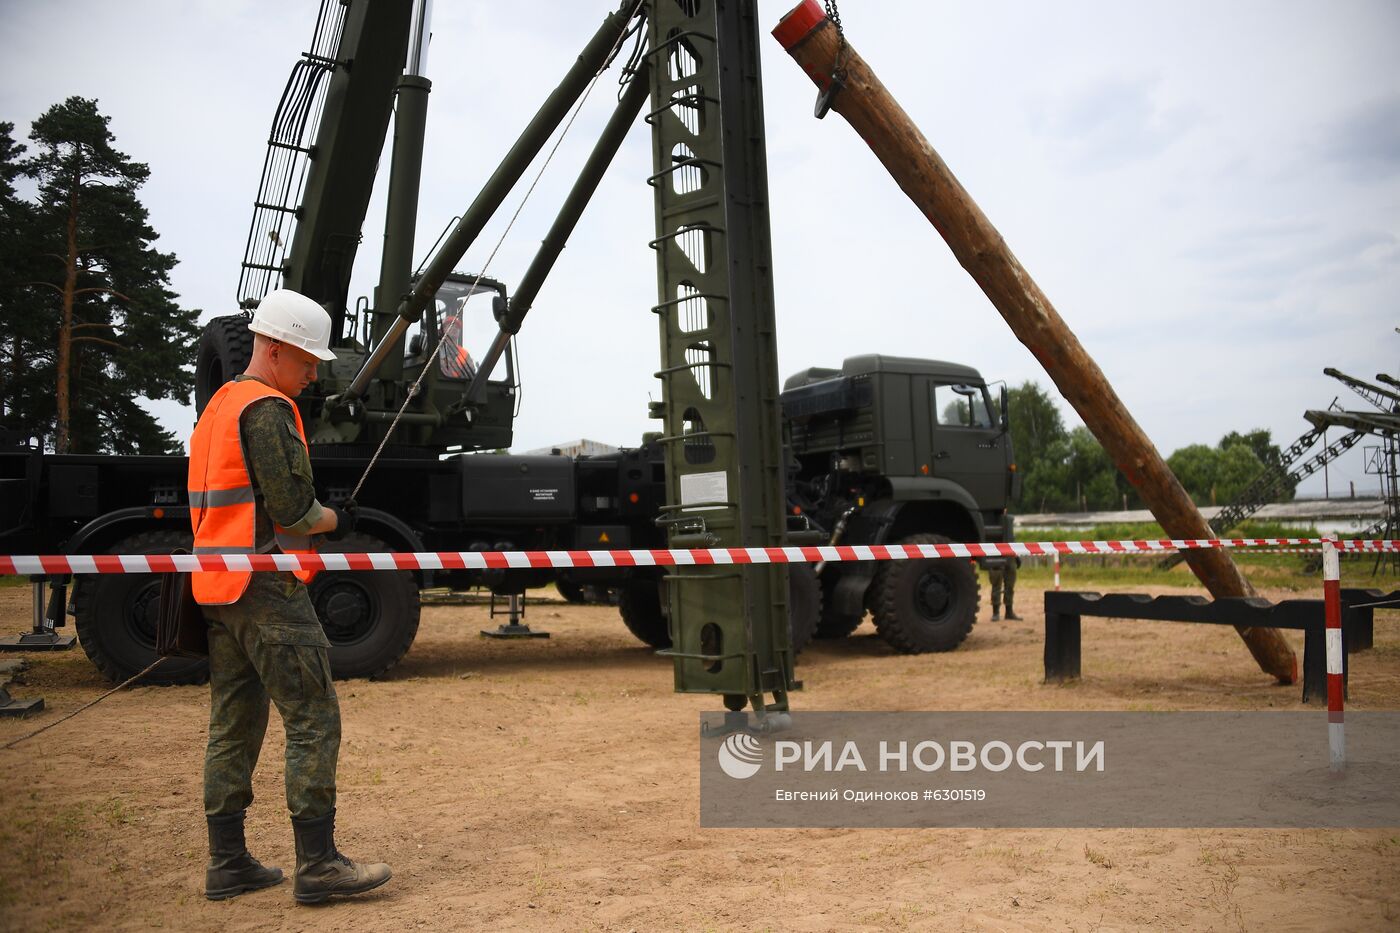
<point x="699" y="70"/>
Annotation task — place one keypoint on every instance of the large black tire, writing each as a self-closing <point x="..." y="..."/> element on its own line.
<point x="834" y="623"/>
<point x="925" y="605"/>
<point x="115" y="615"/>
<point x="225" y="349"/>
<point x="639" y="603"/>
<point x="804" y="605"/>
<point x="571" y="591"/>
<point x="370" y="617"/>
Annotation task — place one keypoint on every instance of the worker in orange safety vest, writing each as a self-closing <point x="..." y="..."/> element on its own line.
<point x="252" y="492"/>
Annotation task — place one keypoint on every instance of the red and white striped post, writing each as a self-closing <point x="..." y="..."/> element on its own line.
<point x="1057" y="571"/>
<point x="1336" y="687"/>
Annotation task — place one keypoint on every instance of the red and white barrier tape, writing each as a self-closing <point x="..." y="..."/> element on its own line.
<point x="660" y="557"/>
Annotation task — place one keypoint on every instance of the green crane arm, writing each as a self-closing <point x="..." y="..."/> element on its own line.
<point x="369" y="61"/>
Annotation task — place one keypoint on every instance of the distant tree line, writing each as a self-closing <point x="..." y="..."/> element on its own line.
<point x="88" y="323"/>
<point x="1067" y="470"/>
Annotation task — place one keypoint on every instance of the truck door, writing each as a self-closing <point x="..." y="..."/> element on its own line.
<point x="967" y="444"/>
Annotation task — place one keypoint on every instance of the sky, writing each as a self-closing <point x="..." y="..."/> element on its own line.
<point x="1208" y="193"/>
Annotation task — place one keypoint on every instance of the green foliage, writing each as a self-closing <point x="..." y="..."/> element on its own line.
<point x="1035" y="423"/>
<point x="1060" y="470"/>
<point x="18" y="382"/>
<point x="89" y="314"/>
<point x="1218" y="475"/>
<point x="1261" y="444"/>
<point x="1068" y="470"/>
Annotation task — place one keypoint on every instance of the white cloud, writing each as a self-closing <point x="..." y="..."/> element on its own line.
<point x="1209" y="194"/>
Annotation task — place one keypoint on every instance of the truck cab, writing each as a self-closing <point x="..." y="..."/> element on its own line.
<point x="892" y="449"/>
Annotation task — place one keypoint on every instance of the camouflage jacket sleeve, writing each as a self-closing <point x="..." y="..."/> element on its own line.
<point x="278" y="463"/>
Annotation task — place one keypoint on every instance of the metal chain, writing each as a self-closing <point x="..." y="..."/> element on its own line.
<point x="834" y="14"/>
<point x="452" y="322"/>
<point x="13" y="742"/>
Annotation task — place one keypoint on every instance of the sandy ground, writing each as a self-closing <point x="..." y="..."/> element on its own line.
<point x="552" y="785"/>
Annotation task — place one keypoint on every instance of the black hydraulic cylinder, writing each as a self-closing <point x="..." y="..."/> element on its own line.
<point x="406" y="170"/>
<point x="489" y="199"/>
<point x="604" y="151"/>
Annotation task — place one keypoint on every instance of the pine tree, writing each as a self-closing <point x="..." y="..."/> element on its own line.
<point x="19" y="331"/>
<point x="112" y="329"/>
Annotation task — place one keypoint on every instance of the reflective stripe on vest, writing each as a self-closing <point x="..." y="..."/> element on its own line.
<point x="223" y="508"/>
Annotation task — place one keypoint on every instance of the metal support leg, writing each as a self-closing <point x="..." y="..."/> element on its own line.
<point x="41" y="637"/>
<point x="513" y="627"/>
<point x="1315" y="662"/>
<point x="1062" y="648"/>
<point x="1360" y="627"/>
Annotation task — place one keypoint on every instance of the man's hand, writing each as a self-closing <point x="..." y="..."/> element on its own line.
<point x="346" y="513"/>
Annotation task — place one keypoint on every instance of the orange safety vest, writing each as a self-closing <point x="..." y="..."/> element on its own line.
<point x="222" y="499"/>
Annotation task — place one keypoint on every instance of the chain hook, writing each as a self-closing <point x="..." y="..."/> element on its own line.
<point x="826" y="97"/>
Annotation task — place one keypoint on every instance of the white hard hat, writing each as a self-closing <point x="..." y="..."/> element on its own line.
<point x="293" y="318"/>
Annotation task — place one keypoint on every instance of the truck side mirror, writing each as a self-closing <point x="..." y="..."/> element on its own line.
<point x="1005" y="409"/>
<point x="499" y="307"/>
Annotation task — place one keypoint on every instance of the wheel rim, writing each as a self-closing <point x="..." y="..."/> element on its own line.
<point x="348" y="610"/>
<point x="141" y="616"/>
<point x="933" y="594"/>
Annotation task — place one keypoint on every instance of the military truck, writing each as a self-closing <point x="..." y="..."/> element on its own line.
<point x="883" y="450"/>
<point x="891" y="450"/>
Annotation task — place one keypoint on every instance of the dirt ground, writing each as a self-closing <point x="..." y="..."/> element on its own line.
<point x="553" y="785"/>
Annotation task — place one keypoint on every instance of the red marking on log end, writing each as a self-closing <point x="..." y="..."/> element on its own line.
<point x="798" y="23"/>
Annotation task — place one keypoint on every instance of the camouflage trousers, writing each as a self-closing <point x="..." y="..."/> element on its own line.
<point x="1002" y="580"/>
<point x="270" y="644"/>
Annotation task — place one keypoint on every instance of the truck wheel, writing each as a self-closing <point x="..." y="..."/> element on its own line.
<point x="571" y="591"/>
<point x="115" y="615"/>
<point x="804" y="605"/>
<point x="225" y="349"/>
<point x="370" y="617"/>
<point x="834" y="623"/>
<point x="925" y="605"/>
<point x="639" y="602"/>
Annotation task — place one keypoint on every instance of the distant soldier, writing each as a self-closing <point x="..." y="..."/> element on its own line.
<point x="1003" y="576"/>
<point x="251" y="492"/>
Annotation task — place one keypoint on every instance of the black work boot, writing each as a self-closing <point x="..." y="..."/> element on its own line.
<point x="231" y="869"/>
<point x="322" y="871"/>
<point x="1011" y="615"/>
<point x="996" y="612"/>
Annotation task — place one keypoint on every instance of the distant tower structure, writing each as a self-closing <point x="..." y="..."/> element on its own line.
<point x="1382" y="422"/>
<point x="1382" y="460"/>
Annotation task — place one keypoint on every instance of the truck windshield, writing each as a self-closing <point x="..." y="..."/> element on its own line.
<point x="463" y="314"/>
<point x="962" y="406"/>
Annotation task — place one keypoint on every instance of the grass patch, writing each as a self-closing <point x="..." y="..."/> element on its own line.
<point x="1096" y="857"/>
<point x="1297" y="572"/>
<point x="1138" y="531"/>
